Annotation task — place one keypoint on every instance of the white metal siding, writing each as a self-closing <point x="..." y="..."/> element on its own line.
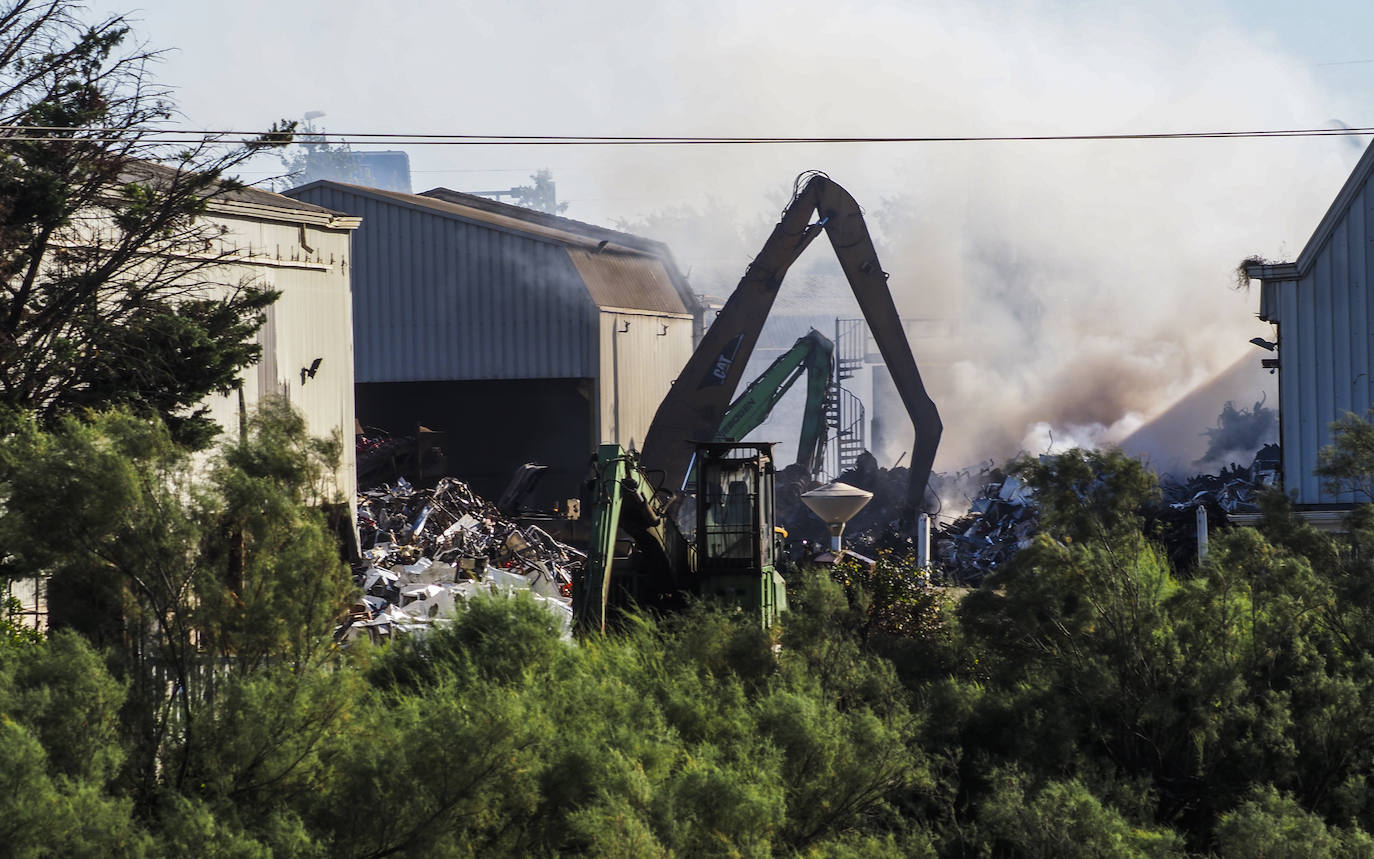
<point x="641" y="354"/>
<point x="312" y="319"/>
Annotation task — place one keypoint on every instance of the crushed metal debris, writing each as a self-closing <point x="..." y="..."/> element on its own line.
<point x="1002" y="515"/>
<point x="425" y="550"/>
<point x="1001" y="519"/>
<point x="1234" y="490"/>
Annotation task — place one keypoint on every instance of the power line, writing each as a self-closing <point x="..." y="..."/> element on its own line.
<point x="182" y="136"/>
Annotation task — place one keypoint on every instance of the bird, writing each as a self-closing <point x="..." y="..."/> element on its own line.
<point x="311" y="370"/>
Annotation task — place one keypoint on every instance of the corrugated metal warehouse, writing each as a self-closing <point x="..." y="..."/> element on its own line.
<point x="1321" y="306"/>
<point x="523" y="336"/>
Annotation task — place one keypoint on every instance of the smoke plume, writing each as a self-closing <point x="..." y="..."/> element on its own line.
<point x="1086" y="285"/>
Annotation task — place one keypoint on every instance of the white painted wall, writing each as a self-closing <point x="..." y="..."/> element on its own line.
<point x="312" y="319"/>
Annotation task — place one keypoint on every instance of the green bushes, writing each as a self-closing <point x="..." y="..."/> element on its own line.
<point x="1087" y="702"/>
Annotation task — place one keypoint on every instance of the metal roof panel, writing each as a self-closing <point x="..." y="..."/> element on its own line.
<point x="619" y="270"/>
<point x="631" y="281"/>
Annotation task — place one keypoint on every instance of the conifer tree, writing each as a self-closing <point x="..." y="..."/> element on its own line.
<point x="113" y="288"/>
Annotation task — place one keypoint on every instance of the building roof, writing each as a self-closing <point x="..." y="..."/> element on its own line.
<point x="621" y="271"/>
<point x="627" y="281"/>
<point x="550" y="221"/>
<point x="246" y="200"/>
<point x="260" y="197"/>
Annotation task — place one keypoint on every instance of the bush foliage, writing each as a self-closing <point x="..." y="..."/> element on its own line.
<point x="1087" y="702"/>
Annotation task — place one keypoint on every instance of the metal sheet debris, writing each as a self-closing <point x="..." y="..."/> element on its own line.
<point x="426" y="550"/>
<point x="1002" y="516"/>
<point x="1234" y="490"/>
<point x="1001" y="520"/>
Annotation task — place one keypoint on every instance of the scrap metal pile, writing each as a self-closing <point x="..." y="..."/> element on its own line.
<point x="1232" y="491"/>
<point x="1002" y="514"/>
<point x="1000" y="520"/>
<point x="425" y="550"/>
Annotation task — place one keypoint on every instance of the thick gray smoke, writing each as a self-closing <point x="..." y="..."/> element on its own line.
<point x="1086" y="285"/>
<point x="1080" y="287"/>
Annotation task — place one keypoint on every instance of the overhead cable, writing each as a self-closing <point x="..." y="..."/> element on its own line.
<point x="185" y="136"/>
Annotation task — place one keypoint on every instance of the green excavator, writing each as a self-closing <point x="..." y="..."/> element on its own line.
<point x="812" y="354"/>
<point x="729" y="555"/>
<point x="719" y="541"/>
<point x="732" y="550"/>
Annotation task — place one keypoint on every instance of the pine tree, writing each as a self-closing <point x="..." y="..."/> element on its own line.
<point x="112" y="285"/>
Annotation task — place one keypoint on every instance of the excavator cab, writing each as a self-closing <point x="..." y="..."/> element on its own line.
<point x="730" y="558"/>
<point x="735" y="549"/>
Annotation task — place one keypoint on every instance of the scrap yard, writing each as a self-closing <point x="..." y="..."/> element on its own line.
<point x="647" y="518"/>
<point x="646" y="429"/>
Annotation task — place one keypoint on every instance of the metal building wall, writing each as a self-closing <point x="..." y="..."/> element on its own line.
<point x="438" y="298"/>
<point x="641" y="355"/>
<point x="1326" y="322"/>
<point x="312" y="319"/>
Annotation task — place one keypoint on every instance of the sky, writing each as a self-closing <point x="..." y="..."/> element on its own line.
<point x="1086" y="285"/>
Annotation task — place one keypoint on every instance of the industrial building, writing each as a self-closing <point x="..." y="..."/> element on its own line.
<point x="519" y="335"/>
<point x="1321" y="306"/>
<point x="302" y="251"/>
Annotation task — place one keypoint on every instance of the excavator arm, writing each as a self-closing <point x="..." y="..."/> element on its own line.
<point x="811" y="354"/>
<point x="697" y="401"/>
<point x="626" y="499"/>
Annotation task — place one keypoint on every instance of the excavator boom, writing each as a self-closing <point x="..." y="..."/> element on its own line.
<point x="697" y="401"/>
<point x="812" y="354"/>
